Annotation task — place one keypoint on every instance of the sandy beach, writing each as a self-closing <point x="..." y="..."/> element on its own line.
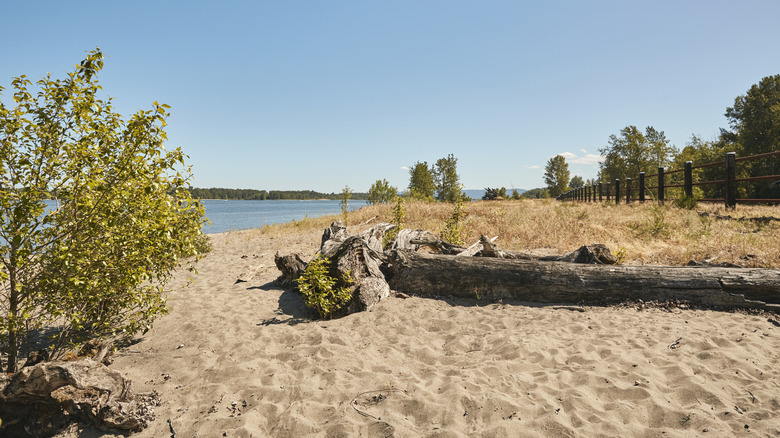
<point x="247" y="360"/>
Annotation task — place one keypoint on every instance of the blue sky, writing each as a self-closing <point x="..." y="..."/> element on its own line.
<point x="322" y="94"/>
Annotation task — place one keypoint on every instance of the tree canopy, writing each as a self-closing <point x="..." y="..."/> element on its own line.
<point x="492" y="194"/>
<point x="445" y="174"/>
<point x="632" y="152"/>
<point x="556" y="175"/>
<point x="421" y="182"/>
<point x="576" y="182"/>
<point x="94" y="264"/>
<point x="755" y="120"/>
<point x="381" y="192"/>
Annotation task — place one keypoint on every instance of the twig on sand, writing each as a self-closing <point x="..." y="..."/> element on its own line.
<point x="173" y="431"/>
<point x="675" y="344"/>
<point x="572" y="308"/>
<point x="377" y="398"/>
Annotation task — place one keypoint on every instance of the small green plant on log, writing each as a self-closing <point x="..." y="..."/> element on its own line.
<point x="320" y="290"/>
<point x="620" y="256"/>
<point x="398" y="220"/>
<point x="453" y="228"/>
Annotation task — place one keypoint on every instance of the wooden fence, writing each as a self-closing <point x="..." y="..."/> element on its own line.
<point x="620" y="189"/>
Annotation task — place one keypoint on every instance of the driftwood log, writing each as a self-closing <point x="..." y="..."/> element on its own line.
<point x="556" y="282"/>
<point x="419" y="263"/>
<point x="42" y="399"/>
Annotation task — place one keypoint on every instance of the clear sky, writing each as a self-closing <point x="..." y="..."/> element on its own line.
<point x="321" y="94"/>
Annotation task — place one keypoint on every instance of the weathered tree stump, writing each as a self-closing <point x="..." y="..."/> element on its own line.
<point x="356" y="259"/>
<point x="332" y="238"/>
<point x="291" y="266"/>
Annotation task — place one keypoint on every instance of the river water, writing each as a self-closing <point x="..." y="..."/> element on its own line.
<point x="239" y="215"/>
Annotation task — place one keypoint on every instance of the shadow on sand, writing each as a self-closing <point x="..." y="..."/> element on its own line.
<point x="291" y="311"/>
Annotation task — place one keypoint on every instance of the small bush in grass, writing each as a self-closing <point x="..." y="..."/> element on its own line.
<point x="453" y="228"/>
<point x="687" y="202"/>
<point x="398" y="221"/>
<point x="320" y="290"/>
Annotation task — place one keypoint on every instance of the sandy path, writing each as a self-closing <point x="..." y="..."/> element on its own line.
<point x="245" y="359"/>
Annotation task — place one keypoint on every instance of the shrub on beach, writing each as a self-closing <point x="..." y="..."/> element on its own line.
<point x="320" y="290"/>
<point x="96" y="263"/>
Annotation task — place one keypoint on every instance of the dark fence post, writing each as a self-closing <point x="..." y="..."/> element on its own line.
<point x="661" y="185"/>
<point x="628" y="190"/>
<point x="608" y="192"/>
<point x="731" y="180"/>
<point x="689" y="179"/>
<point x="600" y="191"/>
<point x="588" y="191"/>
<point x="617" y="191"/>
<point x="641" y="187"/>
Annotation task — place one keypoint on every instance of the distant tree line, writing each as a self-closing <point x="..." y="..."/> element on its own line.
<point x="754" y="129"/>
<point x="267" y="195"/>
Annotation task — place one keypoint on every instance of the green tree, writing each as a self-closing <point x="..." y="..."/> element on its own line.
<point x="445" y="174"/>
<point x="576" y="182"/>
<point x="381" y="192"/>
<point x="421" y="183"/>
<point x="492" y="194"/>
<point x="95" y="264"/>
<point x="556" y="175"/>
<point x="755" y="121"/>
<point x="632" y="152"/>
<point x="515" y="194"/>
<point x="699" y="151"/>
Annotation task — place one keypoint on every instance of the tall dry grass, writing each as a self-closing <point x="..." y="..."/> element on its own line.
<point x="646" y="233"/>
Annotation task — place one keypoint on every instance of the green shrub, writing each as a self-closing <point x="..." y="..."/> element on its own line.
<point x="321" y="291"/>
<point x="398" y="220"/>
<point x="687" y="202"/>
<point x="453" y="228"/>
<point x="97" y="265"/>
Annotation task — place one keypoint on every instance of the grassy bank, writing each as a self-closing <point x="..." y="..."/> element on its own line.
<point x="646" y="233"/>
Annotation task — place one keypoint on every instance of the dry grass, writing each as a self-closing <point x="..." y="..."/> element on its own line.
<point x="647" y="233"/>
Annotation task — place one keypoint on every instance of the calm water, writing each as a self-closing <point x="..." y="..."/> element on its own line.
<point x="240" y="215"/>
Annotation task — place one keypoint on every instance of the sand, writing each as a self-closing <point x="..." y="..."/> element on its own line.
<point x="246" y="360"/>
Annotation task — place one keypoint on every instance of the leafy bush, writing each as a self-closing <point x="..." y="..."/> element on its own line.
<point x="398" y="220"/>
<point x="453" y="228"/>
<point x="96" y="265"/>
<point x="687" y="202"/>
<point x="320" y="290"/>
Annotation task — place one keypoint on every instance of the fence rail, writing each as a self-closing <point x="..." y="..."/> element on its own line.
<point x="729" y="182"/>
